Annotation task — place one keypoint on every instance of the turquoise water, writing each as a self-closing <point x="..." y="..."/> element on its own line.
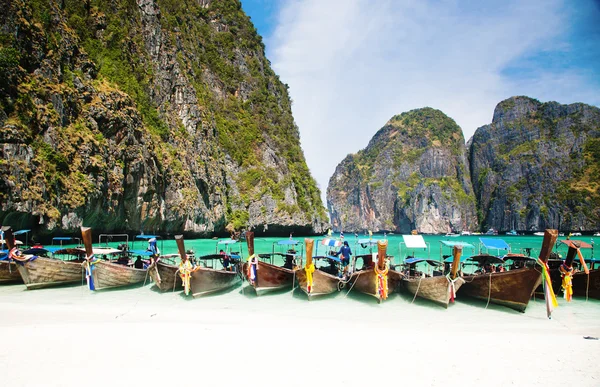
<point x="395" y="246"/>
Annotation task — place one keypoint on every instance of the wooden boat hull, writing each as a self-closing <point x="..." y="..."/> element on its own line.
<point x="394" y="281"/>
<point x="435" y="289"/>
<point x="165" y="276"/>
<point x="271" y="277"/>
<point x="112" y="275"/>
<point x="9" y="273"/>
<point x="512" y="288"/>
<point x="323" y="283"/>
<point x="206" y="280"/>
<point x="45" y="272"/>
<point x="582" y="286"/>
<point x="364" y="281"/>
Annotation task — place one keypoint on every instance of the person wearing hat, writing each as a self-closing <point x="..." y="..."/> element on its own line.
<point x="344" y="255"/>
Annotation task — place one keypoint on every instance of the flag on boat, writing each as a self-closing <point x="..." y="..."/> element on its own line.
<point x="341" y="235"/>
<point x="331" y="242"/>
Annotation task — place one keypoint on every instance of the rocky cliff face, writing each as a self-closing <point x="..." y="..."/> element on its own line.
<point x="151" y="115"/>
<point x="412" y="175"/>
<point x="537" y="166"/>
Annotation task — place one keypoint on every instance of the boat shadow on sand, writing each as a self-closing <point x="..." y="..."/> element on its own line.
<point x="248" y="291"/>
<point x="122" y="288"/>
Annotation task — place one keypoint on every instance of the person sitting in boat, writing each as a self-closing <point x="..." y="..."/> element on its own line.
<point x="290" y="259"/>
<point x="123" y="260"/>
<point x="500" y="268"/>
<point x="226" y="259"/>
<point x="139" y="263"/>
<point x="344" y="255"/>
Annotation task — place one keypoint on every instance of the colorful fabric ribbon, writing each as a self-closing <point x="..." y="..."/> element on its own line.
<point x="551" y="302"/>
<point x="451" y="287"/>
<point x="583" y="264"/>
<point x="89" y="264"/>
<point x="310" y="269"/>
<point x="381" y="282"/>
<point x="185" y="272"/>
<point x="567" y="281"/>
<point x="252" y="273"/>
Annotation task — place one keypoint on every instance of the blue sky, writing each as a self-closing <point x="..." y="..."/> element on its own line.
<point x="353" y="64"/>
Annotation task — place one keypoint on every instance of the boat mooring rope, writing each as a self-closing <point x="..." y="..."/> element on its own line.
<point x="417" y="292"/>
<point x="489" y="291"/>
<point x="345" y="282"/>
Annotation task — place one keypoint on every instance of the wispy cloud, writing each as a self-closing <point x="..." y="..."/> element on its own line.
<point x="353" y="64"/>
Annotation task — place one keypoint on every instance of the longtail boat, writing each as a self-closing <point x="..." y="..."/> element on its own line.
<point x="372" y="279"/>
<point x="440" y="288"/>
<point x="206" y="278"/>
<point x="512" y="288"/>
<point x="40" y="272"/>
<point x="587" y="284"/>
<point x="265" y="276"/>
<point x="168" y="276"/>
<point x="316" y="280"/>
<point x="104" y="274"/>
<point x="582" y="283"/>
<point x="8" y="269"/>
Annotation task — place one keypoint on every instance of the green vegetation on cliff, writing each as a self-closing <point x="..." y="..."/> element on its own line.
<point x="88" y="71"/>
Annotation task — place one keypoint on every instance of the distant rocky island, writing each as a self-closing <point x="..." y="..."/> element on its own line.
<point x="536" y="166"/>
<point x="146" y="115"/>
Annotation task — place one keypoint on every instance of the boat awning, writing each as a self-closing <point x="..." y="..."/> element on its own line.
<point x="62" y="238"/>
<point x="21" y="232"/>
<point x="337" y="259"/>
<point x="17" y="242"/>
<point x="331" y="242"/>
<point x="414" y="241"/>
<point x="486" y="258"/>
<point x="412" y="261"/>
<point x="36" y="251"/>
<point x="450" y="259"/>
<point x="518" y="257"/>
<point x="143" y="236"/>
<point x="218" y="256"/>
<point x="457" y="243"/>
<point x="494" y="243"/>
<point x="288" y="242"/>
<point x="104" y="250"/>
<point x="143" y="253"/>
<point x="582" y="245"/>
<point x="367" y="241"/>
<point x="227" y="242"/>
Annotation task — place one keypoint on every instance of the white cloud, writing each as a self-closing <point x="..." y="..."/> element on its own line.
<point x="353" y="64"/>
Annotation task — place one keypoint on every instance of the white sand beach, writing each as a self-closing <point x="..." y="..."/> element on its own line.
<point x="137" y="336"/>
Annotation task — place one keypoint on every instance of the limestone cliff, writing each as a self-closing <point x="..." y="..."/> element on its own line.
<point x="412" y="175"/>
<point x="146" y="115"/>
<point x="537" y="166"/>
